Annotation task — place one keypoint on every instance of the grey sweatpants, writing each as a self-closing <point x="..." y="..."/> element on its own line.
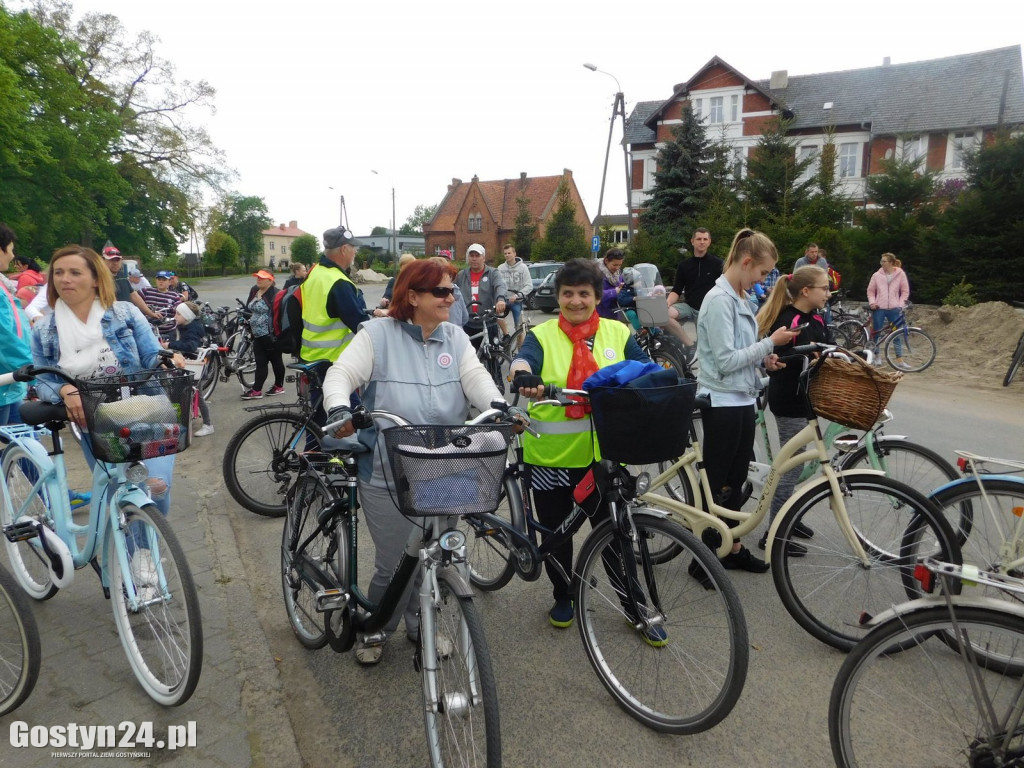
<point x="390" y="531"/>
<point x="787" y="427"/>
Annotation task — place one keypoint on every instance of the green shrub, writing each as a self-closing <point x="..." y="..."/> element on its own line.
<point x="961" y="295"/>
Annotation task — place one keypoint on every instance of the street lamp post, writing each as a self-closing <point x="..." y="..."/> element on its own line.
<point x="393" y="240"/>
<point x="618" y="110"/>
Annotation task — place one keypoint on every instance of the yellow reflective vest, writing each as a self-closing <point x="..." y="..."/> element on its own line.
<point x="323" y="337"/>
<point x="566" y="442"/>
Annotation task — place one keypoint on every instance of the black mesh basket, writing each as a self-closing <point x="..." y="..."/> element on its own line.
<point x="138" y="415"/>
<point x="643" y="426"/>
<point x="448" y="470"/>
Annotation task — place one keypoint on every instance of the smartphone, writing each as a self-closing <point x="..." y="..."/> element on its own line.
<point x="798" y="328"/>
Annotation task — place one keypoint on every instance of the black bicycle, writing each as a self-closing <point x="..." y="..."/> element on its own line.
<point x="1018" y="355"/>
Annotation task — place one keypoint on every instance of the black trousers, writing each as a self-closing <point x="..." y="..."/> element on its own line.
<point x="266" y="352"/>
<point x="728" y="448"/>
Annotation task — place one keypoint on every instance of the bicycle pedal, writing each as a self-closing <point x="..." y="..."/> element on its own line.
<point x="21" y="531"/>
<point x="330" y="600"/>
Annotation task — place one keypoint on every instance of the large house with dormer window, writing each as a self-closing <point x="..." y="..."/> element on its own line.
<point x="934" y="110"/>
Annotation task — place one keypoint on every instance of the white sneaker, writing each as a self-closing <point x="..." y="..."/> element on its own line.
<point x="203" y="431"/>
<point x="144" y="569"/>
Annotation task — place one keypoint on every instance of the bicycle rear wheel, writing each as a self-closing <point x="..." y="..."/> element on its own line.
<point x="305" y="552"/>
<point x="19" y="645"/>
<point x="210" y="376"/>
<point x="909" y="349"/>
<point x="460" y="696"/>
<point x="850" y="334"/>
<point x="829" y="591"/>
<point x="157" y="613"/>
<point x="919" y="467"/>
<point x="683" y="668"/>
<point x="28" y="562"/>
<point x="920" y="700"/>
<point x="491" y="562"/>
<point x="259" y="464"/>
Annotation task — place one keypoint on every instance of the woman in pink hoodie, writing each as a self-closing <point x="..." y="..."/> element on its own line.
<point x="888" y="293"/>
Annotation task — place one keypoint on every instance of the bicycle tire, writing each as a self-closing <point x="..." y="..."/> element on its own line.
<point x="460" y="695"/>
<point x="491" y="562"/>
<point x="692" y="681"/>
<point x="828" y="591"/>
<point x="919" y="700"/>
<point x="162" y="634"/>
<point x="20" y="654"/>
<point x="210" y="376"/>
<point x="28" y="564"/>
<point x="850" y="334"/>
<point x="916" y="465"/>
<point x="306" y="498"/>
<point x="1015" y="362"/>
<point x="246" y="364"/>
<point x="917" y="350"/>
<point x="256" y="467"/>
<point x="498" y="365"/>
<point x="668" y="352"/>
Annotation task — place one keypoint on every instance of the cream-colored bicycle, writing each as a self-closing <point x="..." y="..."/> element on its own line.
<point x="865" y="531"/>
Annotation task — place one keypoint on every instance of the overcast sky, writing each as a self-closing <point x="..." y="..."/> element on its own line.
<point x="314" y="94"/>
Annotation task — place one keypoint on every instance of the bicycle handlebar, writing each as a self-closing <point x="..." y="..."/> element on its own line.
<point x="499" y="411"/>
<point x="30" y="372"/>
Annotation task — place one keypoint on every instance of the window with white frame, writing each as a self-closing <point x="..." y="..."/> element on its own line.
<point x="738" y="155"/>
<point x="848" y="154"/>
<point x="271" y="245"/>
<point x="715" y="110"/>
<point x="698" y="107"/>
<point x="284" y="249"/>
<point x="961" y="145"/>
<point x="915" y="148"/>
<point x="808" y="153"/>
<point x="734" y="109"/>
<point x="476" y="223"/>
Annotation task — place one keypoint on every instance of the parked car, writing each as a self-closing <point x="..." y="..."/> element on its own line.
<point x="538" y="271"/>
<point x="544" y="297"/>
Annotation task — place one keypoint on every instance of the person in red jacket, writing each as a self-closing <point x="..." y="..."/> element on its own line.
<point x="888" y="293"/>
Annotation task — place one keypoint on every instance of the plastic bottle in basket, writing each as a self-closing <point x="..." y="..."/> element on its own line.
<point x="156" y="448"/>
<point x="138" y="433"/>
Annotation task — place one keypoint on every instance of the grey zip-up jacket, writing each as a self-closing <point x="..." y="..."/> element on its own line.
<point x="492" y="288"/>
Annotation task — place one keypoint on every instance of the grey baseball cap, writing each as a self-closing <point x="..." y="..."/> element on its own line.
<point x="339" y="236"/>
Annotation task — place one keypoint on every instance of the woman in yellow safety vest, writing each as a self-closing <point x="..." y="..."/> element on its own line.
<point x="564" y="352"/>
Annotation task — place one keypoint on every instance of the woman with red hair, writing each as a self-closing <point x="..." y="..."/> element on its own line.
<point x="417" y="364"/>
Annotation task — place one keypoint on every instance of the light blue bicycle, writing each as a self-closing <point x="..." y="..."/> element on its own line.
<point x="130" y="545"/>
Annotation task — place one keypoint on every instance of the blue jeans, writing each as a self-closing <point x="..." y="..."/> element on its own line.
<point x="878" y="320"/>
<point x="517" y="312"/>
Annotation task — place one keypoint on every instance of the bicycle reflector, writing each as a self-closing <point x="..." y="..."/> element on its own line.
<point x="925" y="576"/>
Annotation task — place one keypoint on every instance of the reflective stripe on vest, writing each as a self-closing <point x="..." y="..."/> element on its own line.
<point x="323" y="337"/>
<point x="567" y="442"/>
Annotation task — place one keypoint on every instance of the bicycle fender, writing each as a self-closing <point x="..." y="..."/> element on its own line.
<point x="459" y="583"/>
<point x="799" y="493"/>
<point x="932" y="601"/>
<point x="972" y="481"/>
<point x="38" y="452"/>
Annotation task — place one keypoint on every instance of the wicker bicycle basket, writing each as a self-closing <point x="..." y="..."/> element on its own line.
<point x="448" y="470"/>
<point x="853" y="394"/>
<point x="643" y="426"/>
<point x="139" y="415"/>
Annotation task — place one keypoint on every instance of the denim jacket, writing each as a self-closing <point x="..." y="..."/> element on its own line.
<point x="727" y="344"/>
<point x="126" y="330"/>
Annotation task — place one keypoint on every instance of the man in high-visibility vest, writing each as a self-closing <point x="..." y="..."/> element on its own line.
<point x="332" y="305"/>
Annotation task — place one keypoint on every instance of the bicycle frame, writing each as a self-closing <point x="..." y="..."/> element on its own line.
<point x="104" y="507"/>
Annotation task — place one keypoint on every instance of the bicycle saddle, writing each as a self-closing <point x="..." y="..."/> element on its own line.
<point x="37" y="412"/>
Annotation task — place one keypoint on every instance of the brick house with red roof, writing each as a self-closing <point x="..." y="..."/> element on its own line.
<point x="277" y="242"/>
<point x="485" y="212"/>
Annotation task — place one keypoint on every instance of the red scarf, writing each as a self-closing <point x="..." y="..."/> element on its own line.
<point x="583" y="363"/>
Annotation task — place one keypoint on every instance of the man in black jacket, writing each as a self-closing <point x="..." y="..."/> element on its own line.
<point x="694" y="278"/>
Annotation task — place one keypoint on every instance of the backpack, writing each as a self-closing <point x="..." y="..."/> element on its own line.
<point x="834" y="279"/>
<point x="287" y="315"/>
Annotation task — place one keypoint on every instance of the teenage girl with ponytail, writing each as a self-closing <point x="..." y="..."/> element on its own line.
<point x="796" y="300"/>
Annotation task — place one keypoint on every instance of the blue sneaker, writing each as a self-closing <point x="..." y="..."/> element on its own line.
<point x="561" y="614"/>
<point x="79" y="499"/>
<point x="655" y="636"/>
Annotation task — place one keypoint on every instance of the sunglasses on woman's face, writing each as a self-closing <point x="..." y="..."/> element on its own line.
<point x="437" y="291"/>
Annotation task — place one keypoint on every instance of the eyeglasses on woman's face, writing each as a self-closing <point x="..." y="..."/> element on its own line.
<point x="438" y="292"/>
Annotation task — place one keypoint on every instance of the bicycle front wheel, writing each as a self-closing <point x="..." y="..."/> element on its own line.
<point x="919" y="467"/>
<point x="19" y="645"/>
<point x="259" y="464"/>
<point x="922" y="701"/>
<point x="681" y="666"/>
<point x="306" y="554"/>
<point x="498" y="365"/>
<point x="491" y="562"/>
<point x="210" y="375"/>
<point x="157" y="609"/>
<point x="909" y="349"/>
<point x="28" y="562"/>
<point x="460" y="695"/>
<point x="828" y="590"/>
<point x="850" y="334"/>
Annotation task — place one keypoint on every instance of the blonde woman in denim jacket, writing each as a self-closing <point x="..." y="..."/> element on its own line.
<point x="730" y="355"/>
<point x="102" y="337"/>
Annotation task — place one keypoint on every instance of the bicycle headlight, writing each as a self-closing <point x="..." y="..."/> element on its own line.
<point x="643" y="483"/>
<point x="451" y="540"/>
<point x="136" y="473"/>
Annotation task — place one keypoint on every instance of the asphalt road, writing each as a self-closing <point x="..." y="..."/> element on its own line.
<point x="553" y="708"/>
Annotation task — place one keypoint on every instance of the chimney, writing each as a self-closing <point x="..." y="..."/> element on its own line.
<point x="567" y="172"/>
<point x="779" y="80"/>
<point x="454" y="184"/>
<point x="281" y="225"/>
<point x="293" y="224"/>
<point x="522" y="175"/>
<point x="886" y="61"/>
